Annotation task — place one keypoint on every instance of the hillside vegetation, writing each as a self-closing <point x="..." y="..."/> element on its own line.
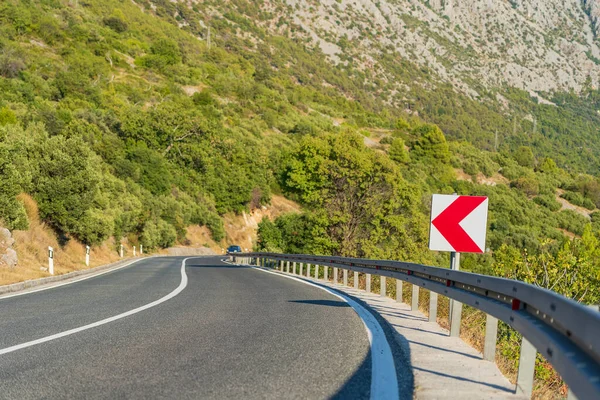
<point x="123" y="120"/>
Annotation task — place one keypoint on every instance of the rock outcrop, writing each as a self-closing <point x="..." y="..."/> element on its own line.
<point x="8" y="256"/>
<point x="534" y="45"/>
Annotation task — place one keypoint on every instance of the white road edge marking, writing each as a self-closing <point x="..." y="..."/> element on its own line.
<point x="179" y="289"/>
<point x="68" y="282"/>
<point x="384" y="382"/>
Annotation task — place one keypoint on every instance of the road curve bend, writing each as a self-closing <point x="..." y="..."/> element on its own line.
<point x="169" y="328"/>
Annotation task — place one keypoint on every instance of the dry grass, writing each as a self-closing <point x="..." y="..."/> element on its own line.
<point x="32" y="249"/>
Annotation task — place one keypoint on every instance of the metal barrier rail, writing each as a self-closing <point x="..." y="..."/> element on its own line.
<point x="565" y="332"/>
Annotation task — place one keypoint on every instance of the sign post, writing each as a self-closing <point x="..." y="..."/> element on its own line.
<point x="50" y="260"/>
<point x="458" y="225"/>
<point x="87" y="256"/>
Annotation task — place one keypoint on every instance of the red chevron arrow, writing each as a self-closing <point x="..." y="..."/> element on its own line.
<point x="447" y="223"/>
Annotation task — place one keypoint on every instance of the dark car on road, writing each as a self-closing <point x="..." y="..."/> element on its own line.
<point x="234" y="249"/>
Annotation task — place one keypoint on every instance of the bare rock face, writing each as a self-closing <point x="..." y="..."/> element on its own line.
<point x="6" y="239"/>
<point x="10" y="258"/>
<point x="592" y="7"/>
<point x="534" y="45"/>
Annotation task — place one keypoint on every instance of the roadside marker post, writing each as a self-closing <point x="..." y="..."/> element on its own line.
<point x="50" y="260"/>
<point x="141" y="249"/>
<point x="87" y="256"/>
<point x="134" y="251"/>
<point x="121" y="250"/>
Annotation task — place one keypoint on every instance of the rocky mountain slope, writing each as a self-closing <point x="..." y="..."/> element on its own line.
<point x="535" y="45"/>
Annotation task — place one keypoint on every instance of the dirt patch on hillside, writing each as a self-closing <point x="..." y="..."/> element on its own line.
<point x="566" y="205"/>
<point x="242" y="229"/>
<point x="481" y="179"/>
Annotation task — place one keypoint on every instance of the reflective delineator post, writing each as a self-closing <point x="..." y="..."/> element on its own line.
<point x="141" y="249"/>
<point x="134" y="251"/>
<point x="87" y="256"/>
<point x="50" y="260"/>
<point x="121" y="250"/>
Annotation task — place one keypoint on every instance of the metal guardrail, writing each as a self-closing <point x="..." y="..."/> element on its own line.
<point x="565" y="332"/>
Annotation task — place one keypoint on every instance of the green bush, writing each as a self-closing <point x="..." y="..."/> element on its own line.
<point x="548" y="201"/>
<point x="94" y="227"/>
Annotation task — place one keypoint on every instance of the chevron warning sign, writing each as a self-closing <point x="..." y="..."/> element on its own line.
<point x="458" y="223"/>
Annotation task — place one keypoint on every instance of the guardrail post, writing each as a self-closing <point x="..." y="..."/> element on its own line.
<point x="398" y="291"/>
<point x="281" y="263"/>
<point x="316" y="271"/>
<point x="415" y="298"/>
<point x="368" y="285"/>
<point x="345" y="277"/>
<point x="433" y="303"/>
<point x="526" y="368"/>
<point x="355" y="280"/>
<point x="301" y="269"/>
<point x="456" y="317"/>
<point x="335" y="275"/>
<point x="308" y="270"/>
<point x="287" y="267"/>
<point x="294" y="268"/>
<point x="491" y="336"/>
<point x="325" y="273"/>
<point x="382" y="286"/>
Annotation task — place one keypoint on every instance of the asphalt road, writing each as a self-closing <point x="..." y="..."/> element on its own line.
<point x="232" y="332"/>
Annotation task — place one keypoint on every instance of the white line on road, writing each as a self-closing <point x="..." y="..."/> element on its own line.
<point x="68" y="282"/>
<point x="384" y="382"/>
<point x="179" y="289"/>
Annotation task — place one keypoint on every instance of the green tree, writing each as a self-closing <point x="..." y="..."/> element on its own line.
<point x="398" y="152"/>
<point x="431" y="144"/>
<point x="525" y="158"/>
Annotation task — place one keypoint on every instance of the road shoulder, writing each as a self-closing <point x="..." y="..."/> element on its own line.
<point x="35" y="285"/>
<point x="443" y="367"/>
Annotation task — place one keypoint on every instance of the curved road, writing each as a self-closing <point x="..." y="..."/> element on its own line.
<point x="232" y="332"/>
